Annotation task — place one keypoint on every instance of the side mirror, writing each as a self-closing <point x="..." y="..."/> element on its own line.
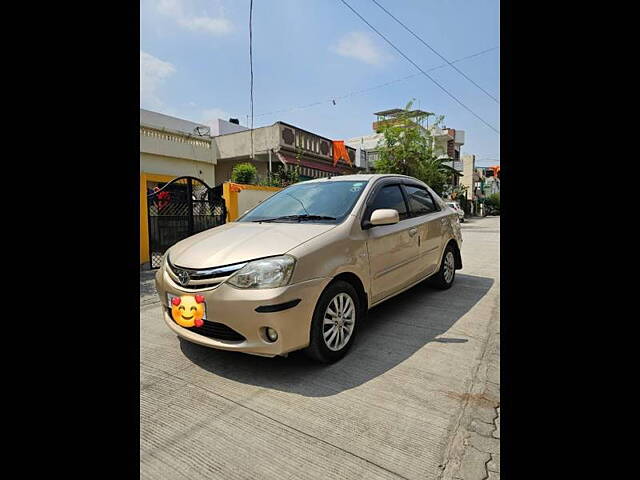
<point x="384" y="216"/>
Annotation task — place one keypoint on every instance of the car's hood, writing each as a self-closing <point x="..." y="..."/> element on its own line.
<point x="240" y="241"/>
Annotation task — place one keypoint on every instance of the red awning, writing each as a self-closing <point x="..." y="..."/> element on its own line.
<point x="317" y="165"/>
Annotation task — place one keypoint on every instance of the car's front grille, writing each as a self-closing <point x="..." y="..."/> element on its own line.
<point x="196" y="279"/>
<point x="217" y="331"/>
<point x="199" y="286"/>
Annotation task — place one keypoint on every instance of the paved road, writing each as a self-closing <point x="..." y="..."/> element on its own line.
<point x="416" y="398"/>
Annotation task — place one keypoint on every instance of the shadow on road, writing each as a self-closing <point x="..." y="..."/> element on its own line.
<point x="393" y="332"/>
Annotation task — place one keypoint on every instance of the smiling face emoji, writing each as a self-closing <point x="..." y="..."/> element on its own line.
<point x="187" y="311"/>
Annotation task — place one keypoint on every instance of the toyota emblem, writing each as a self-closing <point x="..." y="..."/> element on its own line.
<point x="183" y="276"/>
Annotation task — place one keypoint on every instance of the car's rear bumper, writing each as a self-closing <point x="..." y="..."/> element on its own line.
<point x="236" y="308"/>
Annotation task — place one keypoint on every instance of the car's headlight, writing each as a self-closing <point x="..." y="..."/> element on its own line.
<point x="266" y="273"/>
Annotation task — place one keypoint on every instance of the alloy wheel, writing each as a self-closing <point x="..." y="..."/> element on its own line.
<point x="338" y="321"/>
<point x="449" y="267"/>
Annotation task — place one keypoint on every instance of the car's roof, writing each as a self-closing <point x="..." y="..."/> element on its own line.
<point x="363" y="177"/>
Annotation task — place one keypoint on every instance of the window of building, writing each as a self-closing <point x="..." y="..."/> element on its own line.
<point x="420" y="201"/>
<point x="390" y="197"/>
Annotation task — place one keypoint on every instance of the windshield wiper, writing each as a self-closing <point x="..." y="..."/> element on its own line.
<point x="299" y="218"/>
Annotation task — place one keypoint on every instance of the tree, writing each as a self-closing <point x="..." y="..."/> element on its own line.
<point x="407" y="148"/>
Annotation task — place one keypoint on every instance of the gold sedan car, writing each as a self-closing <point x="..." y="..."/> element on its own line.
<point x="301" y="269"/>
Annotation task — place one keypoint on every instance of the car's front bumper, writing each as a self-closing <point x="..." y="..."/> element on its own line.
<point x="236" y="308"/>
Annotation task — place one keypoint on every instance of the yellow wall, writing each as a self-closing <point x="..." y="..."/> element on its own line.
<point x="144" y="219"/>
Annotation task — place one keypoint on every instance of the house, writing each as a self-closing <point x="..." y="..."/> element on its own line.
<point x="446" y="141"/>
<point x="276" y="146"/>
<point x="170" y="147"/>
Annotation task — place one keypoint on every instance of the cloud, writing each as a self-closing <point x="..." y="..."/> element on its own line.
<point x="181" y="11"/>
<point x="153" y="72"/>
<point x="360" y="46"/>
<point x="215" y="26"/>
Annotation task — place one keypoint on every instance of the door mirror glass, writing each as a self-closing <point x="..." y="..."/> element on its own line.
<point x="384" y="216"/>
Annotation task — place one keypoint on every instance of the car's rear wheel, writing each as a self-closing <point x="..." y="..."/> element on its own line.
<point x="334" y="323"/>
<point x="444" y="278"/>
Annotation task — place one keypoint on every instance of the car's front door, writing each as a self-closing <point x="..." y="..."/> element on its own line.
<point x="393" y="249"/>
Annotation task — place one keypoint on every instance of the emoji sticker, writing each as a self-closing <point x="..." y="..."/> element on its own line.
<point x="187" y="311"/>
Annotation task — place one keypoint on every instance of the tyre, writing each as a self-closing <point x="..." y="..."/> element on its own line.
<point x="444" y="278"/>
<point x="334" y="322"/>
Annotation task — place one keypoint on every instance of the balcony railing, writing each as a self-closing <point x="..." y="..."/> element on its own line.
<point x="297" y="139"/>
<point x="175" y="137"/>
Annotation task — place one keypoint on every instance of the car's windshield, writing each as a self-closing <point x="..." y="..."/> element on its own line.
<point x="315" y="202"/>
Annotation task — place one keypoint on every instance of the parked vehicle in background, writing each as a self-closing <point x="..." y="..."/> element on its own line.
<point x="458" y="209"/>
<point x="301" y="269"/>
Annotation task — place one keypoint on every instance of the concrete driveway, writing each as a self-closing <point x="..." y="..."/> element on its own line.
<point x="402" y="404"/>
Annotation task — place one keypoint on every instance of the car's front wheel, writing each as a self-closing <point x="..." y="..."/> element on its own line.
<point x="334" y="322"/>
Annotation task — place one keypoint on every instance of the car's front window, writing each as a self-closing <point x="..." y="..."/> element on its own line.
<point x="315" y="202"/>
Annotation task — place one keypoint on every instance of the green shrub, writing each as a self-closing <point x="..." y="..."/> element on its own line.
<point x="493" y="201"/>
<point x="282" y="177"/>
<point x="244" y="173"/>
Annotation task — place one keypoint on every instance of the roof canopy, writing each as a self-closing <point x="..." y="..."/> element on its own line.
<point x="394" y="112"/>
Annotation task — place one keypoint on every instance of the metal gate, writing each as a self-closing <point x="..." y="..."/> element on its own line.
<point x="179" y="209"/>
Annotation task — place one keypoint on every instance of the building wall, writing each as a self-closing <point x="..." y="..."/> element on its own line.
<point x="468" y="172"/>
<point x="222" y="127"/>
<point x="249" y="198"/>
<point x="174" y="144"/>
<point x="148" y="117"/>
<point x="238" y="145"/>
<point x="177" y="167"/>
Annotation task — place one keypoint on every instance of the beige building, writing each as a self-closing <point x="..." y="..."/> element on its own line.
<point x="277" y="145"/>
<point x="169" y="148"/>
<point x="172" y="147"/>
<point x="470" y="176"/>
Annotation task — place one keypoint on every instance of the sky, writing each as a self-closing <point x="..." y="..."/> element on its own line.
<point x="194" y="63"/>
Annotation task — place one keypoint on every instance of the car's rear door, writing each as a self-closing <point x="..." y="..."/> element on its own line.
<point x="393" y="249"/>
<point x="429" y="216"/>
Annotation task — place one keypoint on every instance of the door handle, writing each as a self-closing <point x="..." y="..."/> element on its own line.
<point x="413" y="231"/>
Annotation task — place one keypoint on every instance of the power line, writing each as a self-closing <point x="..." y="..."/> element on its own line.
<point x="437" y="53"/>
<point x="423" y="72"/>
<point x="251" y="68"/>
<point x="368" y="89"/>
